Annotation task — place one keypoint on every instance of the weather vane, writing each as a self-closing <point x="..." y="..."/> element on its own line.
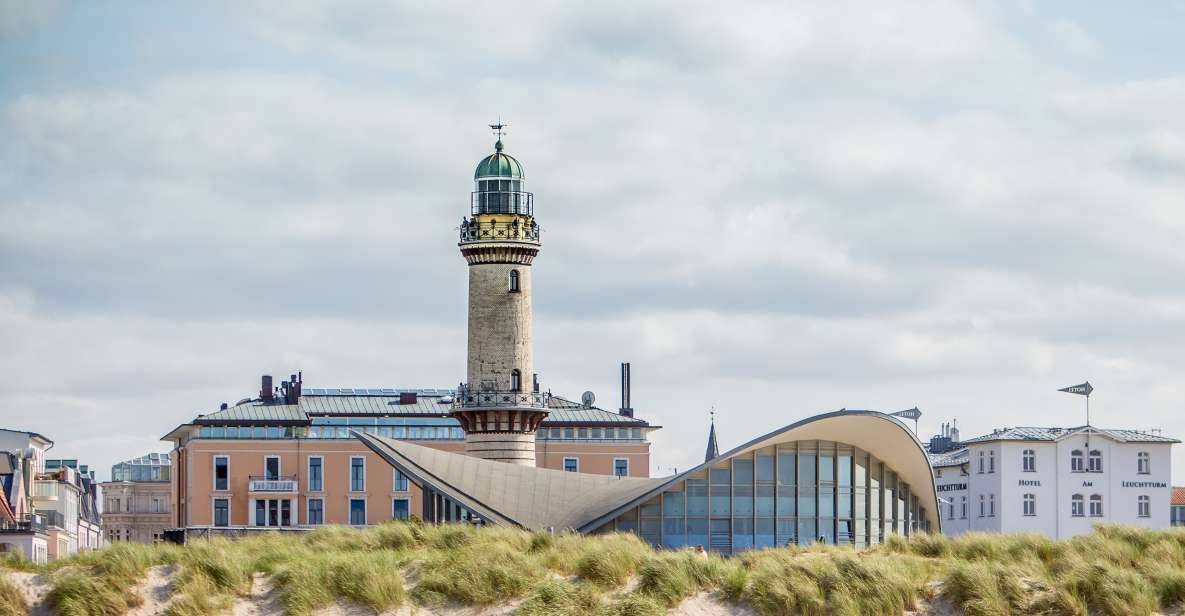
<point x="498" y="127"/>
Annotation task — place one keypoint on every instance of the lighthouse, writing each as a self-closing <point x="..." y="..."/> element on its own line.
<point x="500" y="405"/>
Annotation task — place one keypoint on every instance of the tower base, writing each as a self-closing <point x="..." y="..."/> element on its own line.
<point x="510" y="447"/>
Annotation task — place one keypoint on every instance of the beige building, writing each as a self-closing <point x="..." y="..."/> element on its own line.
<point x="137" y="502"/>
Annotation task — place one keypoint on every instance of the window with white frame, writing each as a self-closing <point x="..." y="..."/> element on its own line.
<point x="1077" y="506"/>
<point x="1029" y="460"/>
<point x="1030" y="504"/>
<point x="400" y="482"/>
<point x="1076" y="458"/>
<point x="316" y="513"/>
<point x="221" y="512"/>
<point x="271" y="468"/>
<point x="1143" y="463"/>
<point x="316" y="473"/>
<point x="221" y="473"/>
<point x="357" y="511"/>
<point x="951" y="514"/>
<point x="400" y="509"/>
<point x="1096" y="505"/>
<point x="991" y="461"/>
<point x="982" y="505"/>
<point x="981" y="463"/>
<point x="621" y="467"/>
<point x="963" y="511"/>
<point x="1094" y="462"/>
<point x="1144" y="506"/>
<point x="991" y="505"/>
<point x="357" y="475"/>
<point x="572" y="465"/>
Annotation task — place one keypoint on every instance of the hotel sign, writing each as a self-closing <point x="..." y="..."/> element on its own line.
<point x="1029" y="482"/>
<point x="1144" y="484"/>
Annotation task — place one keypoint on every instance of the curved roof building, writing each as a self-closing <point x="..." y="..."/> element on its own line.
<point x="846" y="477"/>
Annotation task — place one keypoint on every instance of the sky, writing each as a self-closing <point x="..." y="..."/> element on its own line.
<point x="772" y="210"/>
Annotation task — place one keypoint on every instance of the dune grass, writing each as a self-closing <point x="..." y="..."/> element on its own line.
<point x="1112" y="571"/>
<point x="11" y="601"/>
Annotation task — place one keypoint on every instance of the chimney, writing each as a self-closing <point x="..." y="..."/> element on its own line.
<point x="407" y="397"/>
<point x="626" y="409"/>
<point x="265" y="388"/>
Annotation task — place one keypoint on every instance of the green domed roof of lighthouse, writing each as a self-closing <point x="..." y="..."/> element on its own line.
<point x="499" y="165"/>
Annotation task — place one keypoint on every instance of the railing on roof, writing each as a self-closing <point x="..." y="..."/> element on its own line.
<point x="34" y="523"/>
<point x="271" y="484"/>
<point x="492" y="231"/>
<point x="469" y="399"/>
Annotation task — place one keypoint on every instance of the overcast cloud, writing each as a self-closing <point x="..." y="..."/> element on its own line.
<point x="771" y="209"/>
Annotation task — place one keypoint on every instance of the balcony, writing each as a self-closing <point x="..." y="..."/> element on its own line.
<point x="272" y="485"/>
<point x="35" y="523"/>
<point x="469" y="399"/>
<point x="500" y="232"/>
<point x="52" y="518"/>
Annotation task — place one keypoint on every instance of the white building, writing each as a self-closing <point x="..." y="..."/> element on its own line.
<point x="1056" y="481"/>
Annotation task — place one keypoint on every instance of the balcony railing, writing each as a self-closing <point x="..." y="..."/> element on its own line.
<point x="35" y="523"/>
<point x="474" y="231"/>
<point x="52" y="518"/>
<point x="467" y="398"/>
<point x="271" y="484"/>
<point x="502" y="202"/>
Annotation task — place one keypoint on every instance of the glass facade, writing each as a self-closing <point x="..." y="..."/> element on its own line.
<point x="794" y="493"/>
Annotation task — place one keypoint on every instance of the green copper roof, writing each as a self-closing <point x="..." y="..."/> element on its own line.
<point x="499" y="165"/>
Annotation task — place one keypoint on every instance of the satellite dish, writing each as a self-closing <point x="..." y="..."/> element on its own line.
<point x="587" y="399"/>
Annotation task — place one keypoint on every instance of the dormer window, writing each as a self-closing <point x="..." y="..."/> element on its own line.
<point x="514" y="286"/>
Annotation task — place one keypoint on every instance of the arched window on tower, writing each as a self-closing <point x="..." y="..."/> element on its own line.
<point x="514" y="288"/>
<point x="516" y="380"/>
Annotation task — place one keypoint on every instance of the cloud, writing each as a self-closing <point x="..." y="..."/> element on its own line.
<point x="20" y="16"/>
<point x="773" y="210"/>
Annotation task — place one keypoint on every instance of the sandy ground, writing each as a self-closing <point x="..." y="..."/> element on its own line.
<point x="155" y="591"/>
<point x="33" y="587"/>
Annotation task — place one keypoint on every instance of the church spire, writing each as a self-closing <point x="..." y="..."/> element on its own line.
<point x="713" y="451"/>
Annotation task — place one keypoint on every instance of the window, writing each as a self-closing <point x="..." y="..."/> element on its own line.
<point x="951" y="514"/>
<point x="991" y="461"/>
<point x="1029" y="460"/>
<point x="1144" y="506"/>
<point x="991" y="505"/>
<point x="357" y="476"/>
<point x="1030" y="504"/>
<point x="1076" y="461"/>
<point x="357" y="511"/>
<point x="221" y="512"/>
<point x="982" y="505"/>
<point x="316" y="482"/>
<point x="516" y="380"/>
<point x="621" y="467"/>
<point x="316" y="511"/>
<point x="1077" y="506"/>
<point x="1096" y="505"/>
<point x="572" y="465"/>
<point x="400" y="509"/>
<point x="271" y="468"/>
<point x="514" y="288"/>
<point x="400" y="482"/>
<point x="1143" y="463"/>
<point x="221" y="473"/>
<point x="981" y="463"/>
<point x="1095" y="461"/>
<point x="964" y="508"/>
<point x="155" y="505"/>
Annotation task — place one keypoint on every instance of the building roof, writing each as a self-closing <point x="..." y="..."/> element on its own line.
<point x="1178" y="497"/>
<point x="31" y="434"/>
<point x="499" y="165"/>
<point x="950" y="458"/>
<point x="526" y="496"/>
<point x="1028" y="433"/>
<point x="538" y="498"/>
<point x="150" y="459"/>
<point x="712" y="451"/>
<point x="318" y="402"/>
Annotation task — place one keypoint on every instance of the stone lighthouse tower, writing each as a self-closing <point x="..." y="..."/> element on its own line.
<point x="500" y="405"/>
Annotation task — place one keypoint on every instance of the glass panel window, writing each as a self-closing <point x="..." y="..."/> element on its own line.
<point x="1143" y="463"/>
<point x="271" y="468"/>
<point x="316" y="482"/>
<point x="1030" y="504"/>
<point x="1029" y="458"/>
<point x="742" y="488"/>
<point x="621" y="467"/>
<point x="357" y="511"/>
<point x="720" y="479"/>
<point x="1077" y="506"/>
<point x="697" y="529"/>
<point x="261" y="513"/>
<point x="1096" y="505"/>
<point x="674" y="535"/>
<point x="697" y="498"/>
<point x="400" y="482"/>
<point x="764" y="531"/>
<point x="221" y="512"/>
<point x="1095" y="461"/>
<point x="572" y="465"/>
<point x="787" y="473"/>
<point x="357" y="475"/>
<point x="316" y="511"/>
<point x="1144" y="506"/>
<point x="806" y="531"/>
<point x="1076" y="461"/>
<point x="742" y="534"/>
<point x="221" y="473"/>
